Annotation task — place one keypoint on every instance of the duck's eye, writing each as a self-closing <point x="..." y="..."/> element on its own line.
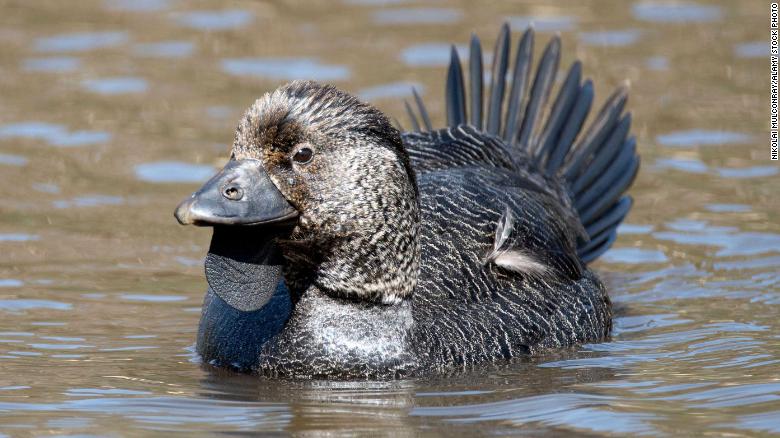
<point x="303" y="155"/>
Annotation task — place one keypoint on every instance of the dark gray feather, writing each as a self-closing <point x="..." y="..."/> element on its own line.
<point x="498" y="79"/>
<point x="455" y="92"/>
<point x="520" y="79"/>
<point x="545" y="75"/>
<point x="475" y="81"/>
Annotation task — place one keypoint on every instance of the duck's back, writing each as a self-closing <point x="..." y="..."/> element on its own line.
<point x="467" y="307"/>
<point x="511" y="216"/>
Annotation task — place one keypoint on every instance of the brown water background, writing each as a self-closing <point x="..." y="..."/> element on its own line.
<point x="112" y="111"/>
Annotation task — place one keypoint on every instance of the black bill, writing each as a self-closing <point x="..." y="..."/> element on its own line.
<point x="240" y="194"/>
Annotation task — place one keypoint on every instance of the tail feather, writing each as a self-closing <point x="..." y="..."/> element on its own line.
<point x="412" y="117"/>
<point x="571" y="128"/>
<point x="594" y="251"/>
<point x="520" y="79"/>
<point x="613" y="193"/>
<point x="597" y="132"/>
<point x="596" y="166"/>
<point x="540" y="92"/>
<point x="456" y="93"/>
<point x="611" y="219"/>
<point x="498" y="80"/>
<point x="614" y="145"/>
<point x="561" y="109"/>
<point x="606" y="181"/>
<point x="475" y="81"/>
<point x="423" y="112"/>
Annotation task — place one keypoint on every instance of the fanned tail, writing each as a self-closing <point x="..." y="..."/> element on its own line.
<point x="598" y="164"/>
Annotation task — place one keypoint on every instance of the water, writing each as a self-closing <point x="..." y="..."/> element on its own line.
<point x="100" y="289"/>
<point x="115" y="85"/>
<point x="286" y="69"/>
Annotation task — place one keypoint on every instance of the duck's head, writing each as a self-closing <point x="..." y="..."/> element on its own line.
<point x="328" y="176"/>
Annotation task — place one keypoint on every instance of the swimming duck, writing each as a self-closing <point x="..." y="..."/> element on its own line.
<point x="343" y="248"/>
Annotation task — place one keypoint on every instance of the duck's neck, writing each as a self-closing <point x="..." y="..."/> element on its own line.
<point x="373" y="255"/>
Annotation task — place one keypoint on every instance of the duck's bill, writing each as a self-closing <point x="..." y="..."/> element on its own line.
<point x="240" y="194"/>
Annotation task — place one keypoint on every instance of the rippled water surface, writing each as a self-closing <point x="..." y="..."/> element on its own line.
<point x="112" y="111"/>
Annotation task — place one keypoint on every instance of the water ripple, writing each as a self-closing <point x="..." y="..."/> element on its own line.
<point x="138" y="5"/>
<point x="173" y="172"/>
<point x="730" y="241"/>
<point x="417" y="16"/>
<point x="286" y="69"/>
<point x="166" y="49"/>
<point x="748" y="172"/>
<point x="700" y="137"/>
<point x="676" y="12"/>
<point x="54" y="134"/>
<point x="89" y="201"/>
<point x="543" y="23"/>
<point x="215" y="20"/>
<point x="634" y="256"/>
<point x="392" y="90"/>
<point x="611" y="38"/>
<point x="54" y="64"/>
<point x="18" y="237"/>
<point x="13" y="160"/>
<point x="755" y="49"/>
<point x="431" y="54"/>
<point x="80" y="42"/>
<point x="574" y="411"/>
<point x="116" y="85"/>
<point x="27" y="304"/>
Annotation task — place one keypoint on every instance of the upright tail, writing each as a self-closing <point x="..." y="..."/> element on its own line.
<point x="598" y="164"/>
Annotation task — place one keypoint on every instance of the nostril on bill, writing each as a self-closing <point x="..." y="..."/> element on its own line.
<point x="234" y="193"/>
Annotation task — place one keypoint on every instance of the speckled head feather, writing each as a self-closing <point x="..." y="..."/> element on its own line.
<point x="357" y="197"/>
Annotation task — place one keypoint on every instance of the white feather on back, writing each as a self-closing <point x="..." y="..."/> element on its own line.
<point x="519" y="262"/>
<point x="512" y="259"/>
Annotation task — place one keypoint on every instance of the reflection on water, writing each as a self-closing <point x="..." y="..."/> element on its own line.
<point x="13" y="160"/>
<point x="417" y="16"/>
<point x="749" y="172"/>
<point x="54" y="134"/>
<point x="676" y="12"/>
<point x="46" y="188"/>
<point x="286" y="69"/>
<point x="138" y="5"/>
<point x="701" y="137"/>
<point x="431" y="54"/>
<point x="542" y="23"/>
<point x="611" y="38"/>
<point x="173" y="171"/>
<point x="88" y="201"/>
<point x="61" y="64"/>
<point x="17" y="237"/>
<point x="690" y="165"/>
<point x="120" y="85"/>
<point x="635" y="256"/>
<point x="393" y="90"/>
<point x="729" y="239"/>
<point x="216" y="20"/>
<point x="657" y="63"/>
<point x="166" y="49"/>
<point x="80" y="42"/>
<point x="100" y="289"/>
<point x="755" y="49"/>
<point x="18" y="305"/>
<point x="728" y="208"/>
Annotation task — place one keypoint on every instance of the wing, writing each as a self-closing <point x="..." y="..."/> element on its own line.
<point x="592" y="167"/>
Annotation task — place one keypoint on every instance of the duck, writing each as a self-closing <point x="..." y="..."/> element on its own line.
<point x="345" y="247"/>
